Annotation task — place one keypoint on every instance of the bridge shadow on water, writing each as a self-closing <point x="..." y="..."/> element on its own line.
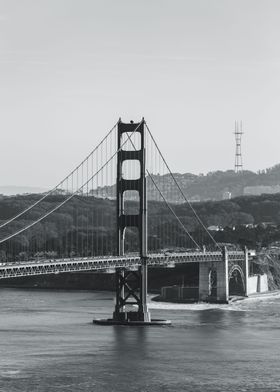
<point x="132" y="340"/>
<point x="126" y="364"/>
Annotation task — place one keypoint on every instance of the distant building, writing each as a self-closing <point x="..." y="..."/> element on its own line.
<point x="226" y="195"/>
<point x="265" y="225"/>
<point x="215" y="228"/>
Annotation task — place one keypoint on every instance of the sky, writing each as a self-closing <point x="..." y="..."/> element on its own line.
<point x="70" y="68"/>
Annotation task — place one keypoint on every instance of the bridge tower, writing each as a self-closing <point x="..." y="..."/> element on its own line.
<point x="131" y="286"/>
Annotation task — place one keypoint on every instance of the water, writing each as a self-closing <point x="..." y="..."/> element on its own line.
<point x="48" y="343"/>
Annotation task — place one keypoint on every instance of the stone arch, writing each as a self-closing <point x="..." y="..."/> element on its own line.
<point x="236" y="280"/>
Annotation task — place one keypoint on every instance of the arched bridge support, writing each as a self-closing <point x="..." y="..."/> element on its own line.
<point x="223" y="272"/>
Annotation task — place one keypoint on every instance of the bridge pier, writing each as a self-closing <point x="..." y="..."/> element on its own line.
<point x="222" y="288"/>
<point x="222" y="270"/>
<point x="222" y="279"/>
<point x="246" y="271"/>
<point x="131" y="290"/>
<point x="204" y="284"/>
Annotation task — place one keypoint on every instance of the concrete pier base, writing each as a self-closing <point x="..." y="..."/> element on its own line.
<point x="137" y="323"/>
<point x="152" y="322"/>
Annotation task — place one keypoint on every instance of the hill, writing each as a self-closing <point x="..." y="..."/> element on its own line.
<point x="215" y="185"/>
<point x="253" y="221"/>
<point x="246" y="220"/>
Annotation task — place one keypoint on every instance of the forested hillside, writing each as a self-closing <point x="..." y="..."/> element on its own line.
<point x="252" y="221"/>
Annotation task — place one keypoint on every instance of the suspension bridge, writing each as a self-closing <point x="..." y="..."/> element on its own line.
<point x="114" y="212"/>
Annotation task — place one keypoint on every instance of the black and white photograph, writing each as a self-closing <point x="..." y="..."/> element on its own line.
<point x="139" y="196"/>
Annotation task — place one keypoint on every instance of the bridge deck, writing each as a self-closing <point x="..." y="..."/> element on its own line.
<point x="44" y="267"/>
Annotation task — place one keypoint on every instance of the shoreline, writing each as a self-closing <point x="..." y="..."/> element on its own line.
<point x="232" y="299"/>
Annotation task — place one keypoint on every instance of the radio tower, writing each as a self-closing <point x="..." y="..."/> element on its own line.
<point x="238" y="132"/>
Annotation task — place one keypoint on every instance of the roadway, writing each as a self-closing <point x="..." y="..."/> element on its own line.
<point x="109" y="263"/>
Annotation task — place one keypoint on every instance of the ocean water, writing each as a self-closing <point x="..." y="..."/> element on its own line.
<point x="48" y="343"/>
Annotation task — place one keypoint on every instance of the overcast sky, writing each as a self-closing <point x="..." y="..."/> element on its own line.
<point x="70" y="68"/>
